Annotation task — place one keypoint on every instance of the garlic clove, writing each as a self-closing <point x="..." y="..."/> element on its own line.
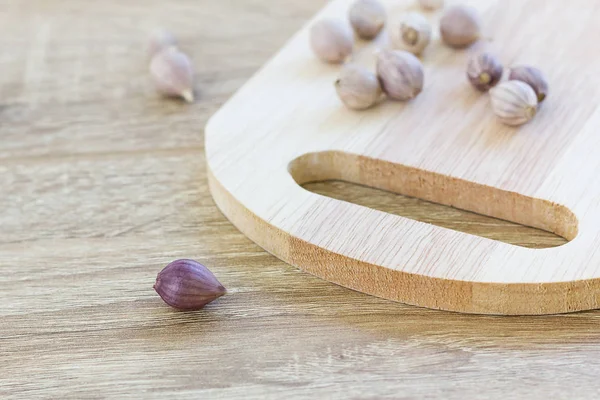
<point x="188" y="285"/>
<point x="431" y="5"/>
<point x="332" y="40"/>
<point x="484" y="71"/>
<point x="172" y="73"/>
<point x="160" y="39"/>
<point x="367" y="17"/>
<point x="514" y="102"/>
<point x="400" y="73"/>
<point x="412" y="33"/>
<point x="533" y="77"/>
<point x="358" y="88"/>
<point x="460" y="26"/>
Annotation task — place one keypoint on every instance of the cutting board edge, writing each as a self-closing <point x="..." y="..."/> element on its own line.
<point x="472" y="297"/>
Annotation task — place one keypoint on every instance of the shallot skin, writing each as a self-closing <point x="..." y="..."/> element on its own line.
<point x="188" y="285"/>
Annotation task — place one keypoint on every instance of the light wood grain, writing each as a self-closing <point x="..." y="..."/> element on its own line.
<point x="286" y="127"/>
<point x="103" y="184"/>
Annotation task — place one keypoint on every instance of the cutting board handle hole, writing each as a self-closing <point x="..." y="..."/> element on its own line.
<point x="543" y="224"/>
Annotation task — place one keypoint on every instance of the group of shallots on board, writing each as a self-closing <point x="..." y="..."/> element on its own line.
<point x="399" y="72"/>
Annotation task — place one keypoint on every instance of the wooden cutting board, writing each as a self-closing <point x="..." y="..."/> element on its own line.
<point x="286" y="127"/>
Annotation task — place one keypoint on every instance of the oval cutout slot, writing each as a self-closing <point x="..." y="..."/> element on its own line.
<point x="425" y="196"/>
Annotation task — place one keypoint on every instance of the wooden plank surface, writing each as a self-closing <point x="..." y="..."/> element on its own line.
<point x="104" y="184"/>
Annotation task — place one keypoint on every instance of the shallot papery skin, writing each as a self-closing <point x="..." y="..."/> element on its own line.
<point x="188" y="285"/>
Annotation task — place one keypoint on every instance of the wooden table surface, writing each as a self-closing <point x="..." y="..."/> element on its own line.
<point x="104" y="183"/>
